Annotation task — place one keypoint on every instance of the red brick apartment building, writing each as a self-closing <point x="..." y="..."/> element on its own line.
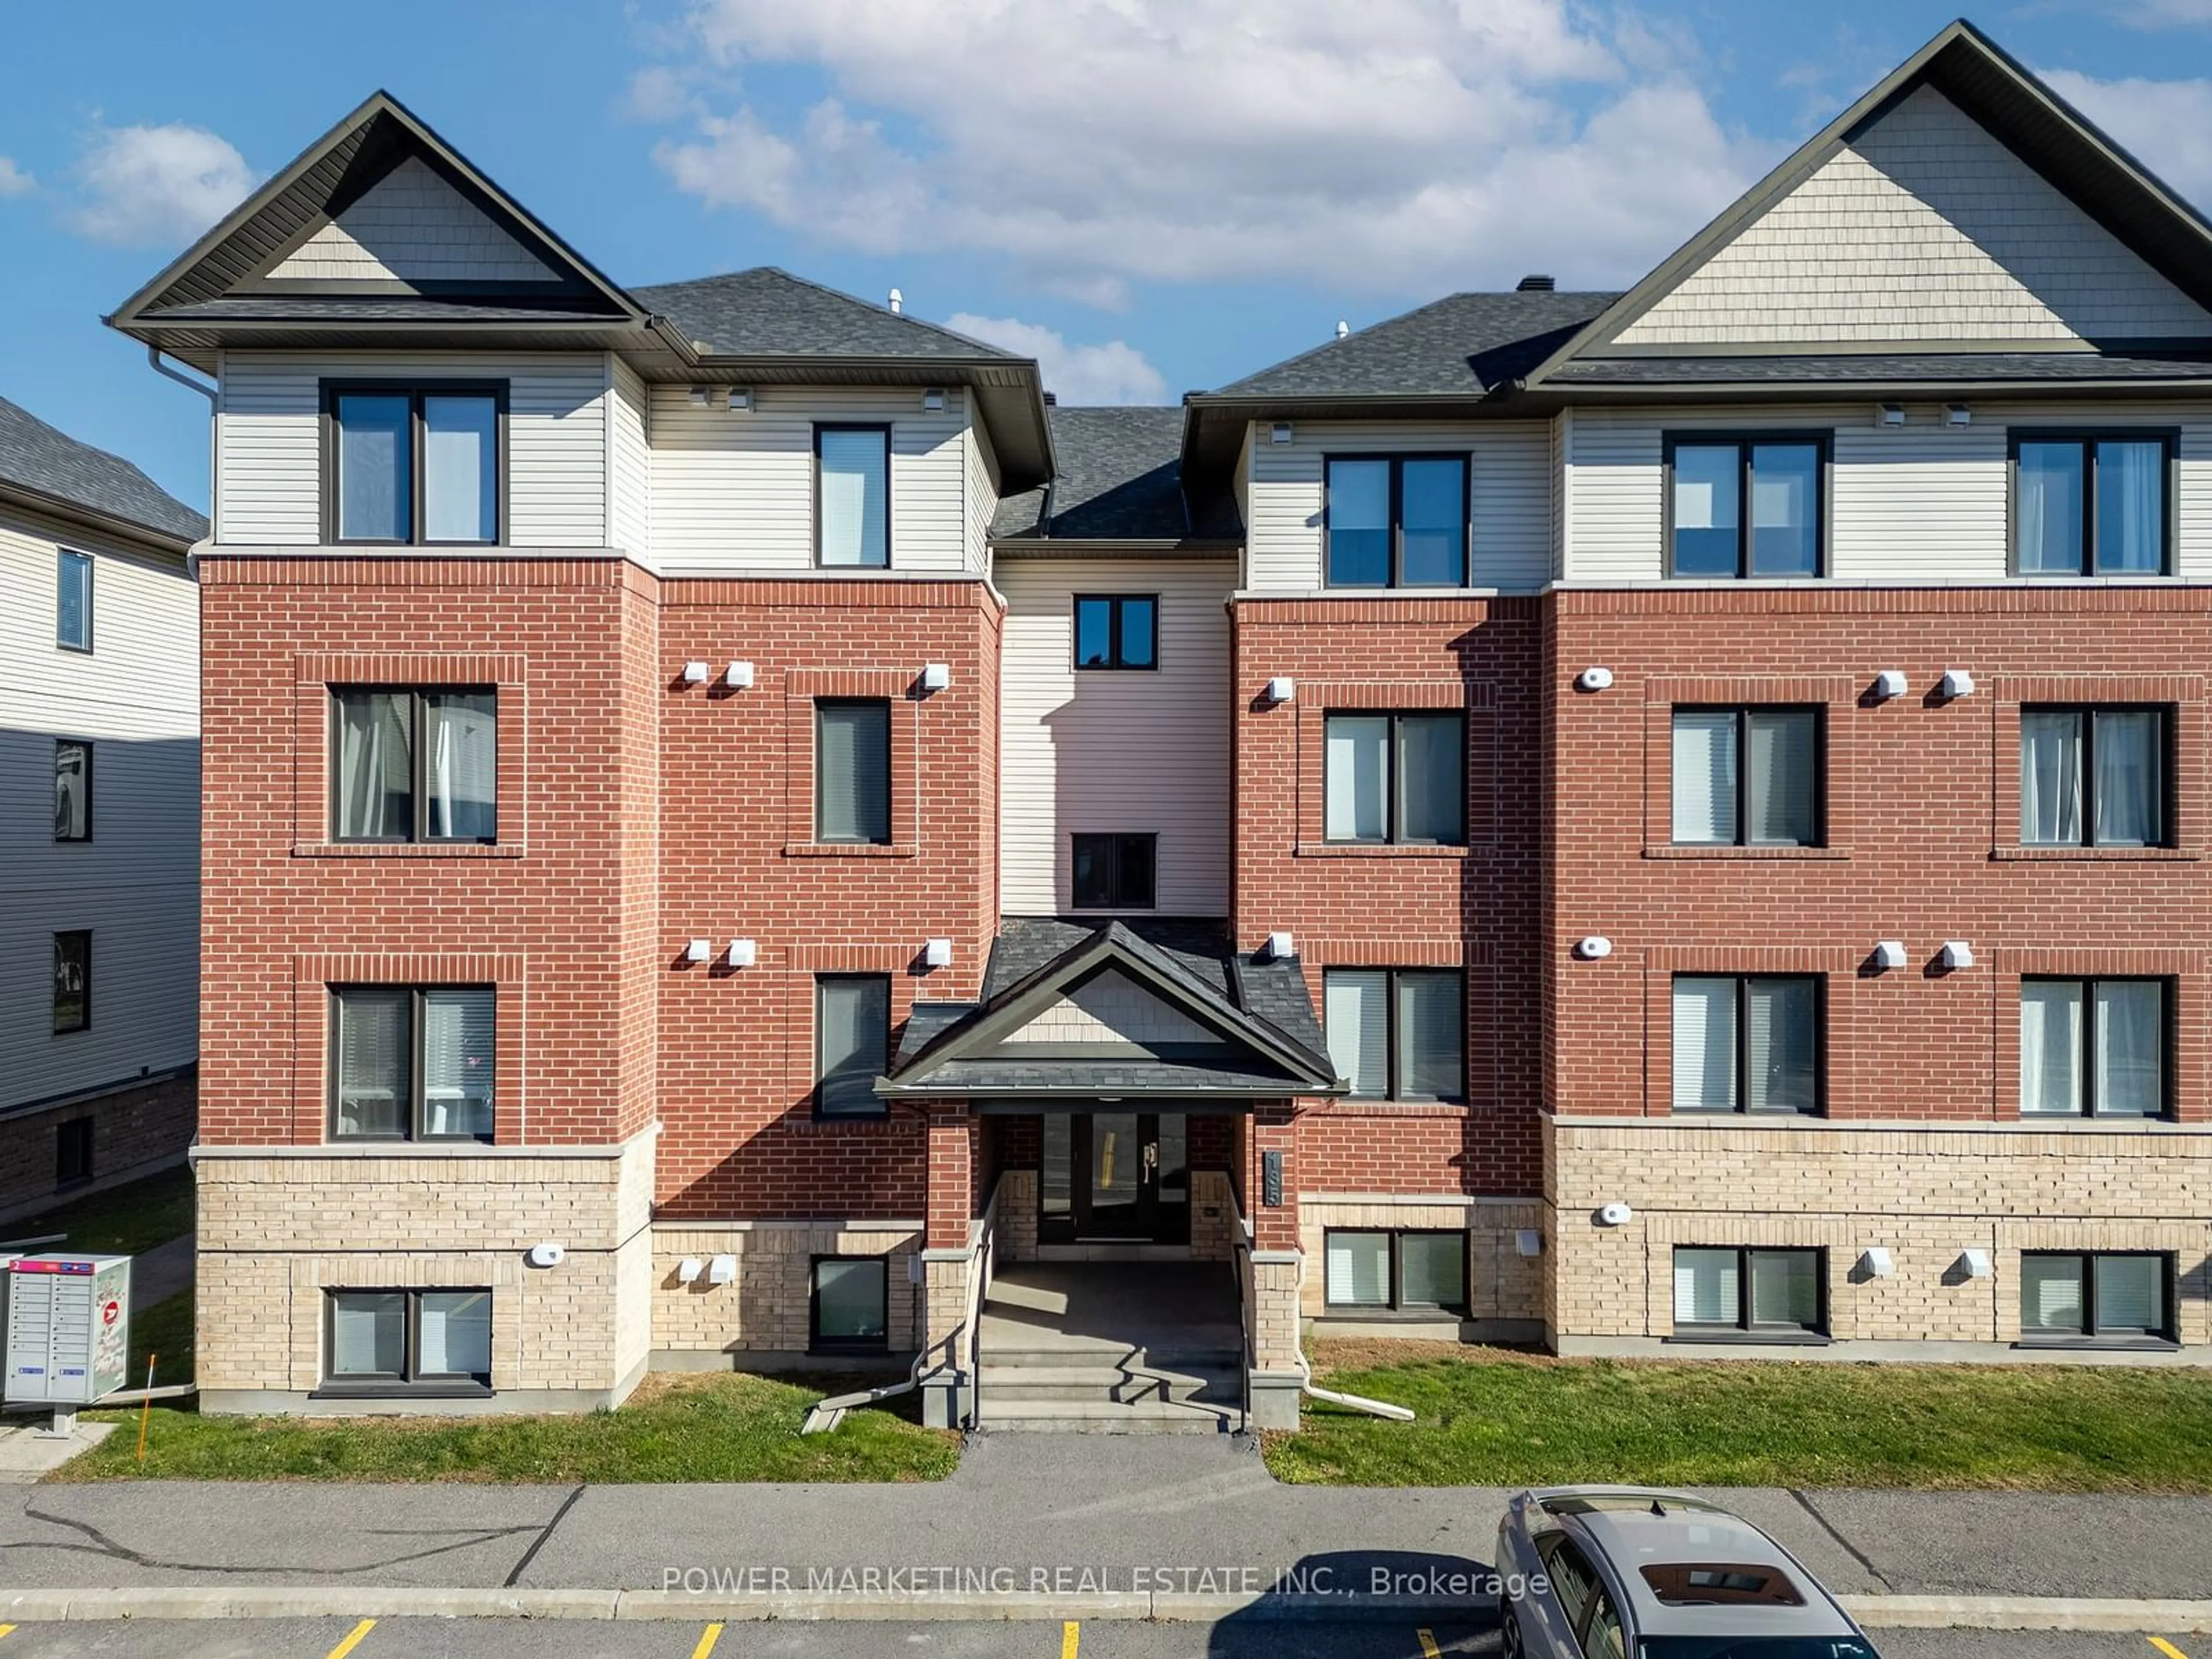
<point x="736" y="833"/>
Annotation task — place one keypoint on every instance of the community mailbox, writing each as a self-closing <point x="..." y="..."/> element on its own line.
<point x="69" y="1328"/>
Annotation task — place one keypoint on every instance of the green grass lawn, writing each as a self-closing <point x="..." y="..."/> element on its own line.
<point x="1490" y="1419"/>
<point x="123" y="1220"/>
<point x="717" y="1427"/>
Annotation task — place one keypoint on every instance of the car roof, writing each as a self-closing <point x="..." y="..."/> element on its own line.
<point x="1633" y="1537"/>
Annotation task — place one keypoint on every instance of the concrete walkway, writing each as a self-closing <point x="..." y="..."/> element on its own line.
<point x="1082" y="1511"/>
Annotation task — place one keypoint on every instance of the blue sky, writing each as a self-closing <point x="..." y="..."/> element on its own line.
<point x="1150" y="196"/>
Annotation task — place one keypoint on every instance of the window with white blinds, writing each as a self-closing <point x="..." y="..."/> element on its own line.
<point x="413" y="1063"/>
<point x="1747" y="777"/>
<point x="1404" y="1271"/>
<point x="1784" y="1286"/>
<point x="853" y="1025"/>
<point x="1358" y="1267"/>
<point x="2078" y="1296"/>
<point x="2094" y="1047"/>
<point x="1747" y="1043"/>
<point x="853" y="771"/>
<point x="2094" y="777"/>
<point x="1395" y="778"/>
<point x="1397" y="1034"/>
<point x="416" y="765"/>
<point x="853" y="495"/>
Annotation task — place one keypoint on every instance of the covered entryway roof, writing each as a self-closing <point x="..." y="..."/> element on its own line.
<point x="1162" y="1010"/>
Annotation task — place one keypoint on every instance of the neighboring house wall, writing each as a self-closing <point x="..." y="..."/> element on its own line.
<point x="268" y="436"/>
<point x="1926" y="228"/>
<point x="1923" y="503"/>
<point x="1509" y="528"/>
<point x="1115" y="750"/>
<point x="734" y="492"/>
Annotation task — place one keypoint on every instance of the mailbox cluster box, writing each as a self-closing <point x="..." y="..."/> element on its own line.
<point x="68" y="1320"/>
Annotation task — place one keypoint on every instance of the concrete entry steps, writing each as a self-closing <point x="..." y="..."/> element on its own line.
<point x="1112" y="1348"/>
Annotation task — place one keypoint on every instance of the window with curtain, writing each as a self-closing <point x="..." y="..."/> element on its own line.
<point x="2094" y="1047"/>
<point x="851" y="1303"/>
<point x="1114" y="873"/>
<point x="73" y="600"/>
<point x="1396" y="520"/>
<point x="2094" y="777"/>
<point x="1401" y="1271"/>
<point x="389" y="1340"/>
<point x="1117" y="630"/>
<point x="1397" y="1033"/>
<point x="413" y="1063"/>
<point x="72" y="1002"/>
<point x="1746" y="1043"/>
<point x="1395" y="778"/>
<point x="2069" y="1295"/>
<point x="1735" y="1290"/>
<point x="415" y="766"/>
<point x="1746" y="505"/>
<point x="72" y="789"/>
<point x="1747" y="777"/>
<point x="853" y="496"/>
<point x="415" y="462"/>
<point x="852" y="1042"/>
<point x="2092" y="504"/>
<point x="853" y="771"/>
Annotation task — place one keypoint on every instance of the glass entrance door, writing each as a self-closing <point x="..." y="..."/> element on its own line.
<point x="1116" y="1177"/>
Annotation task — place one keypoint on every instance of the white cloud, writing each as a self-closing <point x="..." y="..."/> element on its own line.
<point x="1398" y="144"/>
<point x="2166" y="124"/>
<point x="2166" y="14"/>
<point x="154" y="187"/>
<point x="13" y="181"/>
<point x="1115" y="373"/>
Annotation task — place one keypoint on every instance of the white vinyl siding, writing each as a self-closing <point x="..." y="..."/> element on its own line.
<point x="980" y="467"/>
<point x="1926" y="228"/>
<point x="135" y="885"/>
<point x="269" y="440"/>
<point x="1143" y="750"/>
<point x="1925" y="503"/>
<point x="412" y="225"/>
<point x="629" y="464"/>
<point x="734" y="492"/>
<point x="1509" y="532"/>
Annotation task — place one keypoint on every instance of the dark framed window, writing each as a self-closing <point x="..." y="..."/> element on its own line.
<point x="852" y="1042"/>
<point x="2094" y="503"/>
<point x="1397" y="1033"/>
<point x="415" y="462"/>
<point x="413" y="1063"/>
<point x="73" y="1152"/>
<point x="1117" y="630"/>
<point x="849" y="1307"/>
<point x="853" y="771"/>
<point x="72" y="981"/>
<point x="1781" y="1292"/>
<point x="1747" y="777"/>
<point x="72" y="789"/>
<point x="73" y="600"/>
<point x="2095" y="1048"/>
<point x="1396" y="520"/>
<point x="1746" y="504"/>
<point x="1114" y="873"/>
<point x="1747" y="1043"/>
<point x="1398" y="1271"/>
<point x="415" y="765"/>
<point x="853" y="496"/>
<point x="1395" y="778"/>
<point x="2092" y="776"/>
<point x="2086" y="1295"/>
<point x="436" y="1340"/>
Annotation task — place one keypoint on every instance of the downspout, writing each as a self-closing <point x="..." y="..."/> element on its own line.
<point x="153" y="358"/>
<point x="1355" y="1402"/>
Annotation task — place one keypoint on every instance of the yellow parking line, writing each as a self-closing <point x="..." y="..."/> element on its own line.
<point x="1428" y="1643"/>
<point x="4" y="1629"/>
<point x="353" y="1638"/>
<point x="1070" y="1634"/>
<point x="708" y="1638"/>
<point x="2167" y="1648"/>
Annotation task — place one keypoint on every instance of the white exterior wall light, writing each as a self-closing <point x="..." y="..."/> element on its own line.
<point x="936" y="676"/>
<point x="1889" y="953"/>
<point x="548" y="1254"/>
<point x="1594" y="947"/>
<point x="738" y="677"/>
<point x="1595" y="678"/>
<point x="697" y="673"/>
<point x="722" y="1270"/>
<point x="1282" y="688"/>
<point x="1975" y="1264"/>
<point x="700" y="950"/>
<point x="1281" y="947"/>
<point x="689" y="1269"/>
<point x="1890" y="682"/>
<point x="1875" y="1262"/>
<point x="1615" y="1214"/>
<point x="1957" y="953"/>
<point x="741" y="953"/>
<point x="1957" y="682"/>
<point x="937" y="953"/>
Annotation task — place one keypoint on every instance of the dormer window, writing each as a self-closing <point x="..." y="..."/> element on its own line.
<point x="413" y="464"/>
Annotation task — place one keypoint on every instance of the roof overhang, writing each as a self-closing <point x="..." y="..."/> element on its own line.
<point x="69" y="512"/>
<point x="1215" y="422"/>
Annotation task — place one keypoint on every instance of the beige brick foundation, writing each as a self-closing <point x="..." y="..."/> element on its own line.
<point x="280" y="1226"/>
<point x="1505" y="1289"/>
<point x="761" y="1317"/>
<point x="1927" y="1194"/>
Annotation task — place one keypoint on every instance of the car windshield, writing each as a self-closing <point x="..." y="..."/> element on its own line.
<point x="1755" y="1647"/>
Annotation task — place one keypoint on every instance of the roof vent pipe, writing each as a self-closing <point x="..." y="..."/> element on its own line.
<point x="1536" y="283"/>
<point x="1052" y="400"/>
<point x="898" y="303"/>
<point x="1343" y="328"/>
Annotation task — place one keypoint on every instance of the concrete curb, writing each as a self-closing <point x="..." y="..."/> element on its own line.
<point x="1164" y="1606"/>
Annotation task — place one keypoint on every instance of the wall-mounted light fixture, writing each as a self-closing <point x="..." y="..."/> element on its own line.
<point x="937" y="953"/>
<point x="1595" y="678"/>
<point x="1282" y="688"/>
<point x="1890" y="682"/>
<point x="1281" y="947"/>
<point x="1874" y="1261"/>
<point x="1594" y="947"/>
<point x="699" y="950"/>
<point x="689" y="1269"/>
<point x="936" y="676"/>
<point x="1956" y="953"/>
<point x="741" y="953"/>
<point x="1889" y="953"/>
<point x="1957" y="682"/>
<point x="1976" y="1264"/>
<point x="739" y="676"/>
<point x="722" y="1270"/>
<point x="697" y="673"/>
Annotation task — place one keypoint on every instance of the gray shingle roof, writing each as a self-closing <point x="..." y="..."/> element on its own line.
<point x="1464" y="345"/>
<point x="1882" y="366"/>
<point x="1121" y="477"/>
<point x="41" y="459"/>
<point x="768" y="312"/>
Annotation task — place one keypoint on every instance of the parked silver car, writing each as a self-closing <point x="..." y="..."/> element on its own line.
<point x="1629" y="1572"/>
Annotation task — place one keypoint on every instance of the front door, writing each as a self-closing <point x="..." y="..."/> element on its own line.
<point x="1125" y="1177"/>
